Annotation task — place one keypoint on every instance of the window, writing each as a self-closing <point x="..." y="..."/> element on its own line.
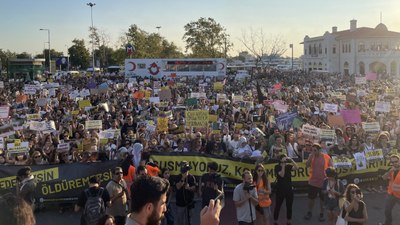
<point x="349" y="48"/>
<point x="361" y="47"/>
<point x="334" y="50"/>
<point x="309" y="50"/>
<point x="320" y="49"/>
<point x="326" y="51"/>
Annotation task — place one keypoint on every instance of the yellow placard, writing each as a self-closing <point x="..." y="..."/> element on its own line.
<point x="197" y="118"/>
<point x="212" y="118"/>
<point x="218" y="86"/>
<point x="84" y="103"/>
<point x="162" y="124"/>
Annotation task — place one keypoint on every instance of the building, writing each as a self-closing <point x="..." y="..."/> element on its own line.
<point x="354" y="51"/>
<point x="25" y="69"/>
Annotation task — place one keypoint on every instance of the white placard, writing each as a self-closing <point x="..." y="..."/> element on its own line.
<point x="360" y="80"/>
<point x="310" y="130"/>
<point x="360" y="160"/>
<point x="93" y="124"/>
<point x="382" y="106"/>
<point x="155" y="100"/>
<point x="63" y="147"/>
<point x="330" y="107"/>
<point x="4" y="112"/>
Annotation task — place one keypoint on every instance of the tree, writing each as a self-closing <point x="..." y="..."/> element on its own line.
<point x="149" y="45"/>
<point x="23" y="55"/>
<point x="79" y="56"/>
<point x="259" y="46"/>
<point x="206" y="38"/>
<point x="5" y="56"/>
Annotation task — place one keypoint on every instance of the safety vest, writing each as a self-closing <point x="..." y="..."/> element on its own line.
<point x="263" y="199"/>
<point x="394" y="185"/>
<point x="327" y="158"/>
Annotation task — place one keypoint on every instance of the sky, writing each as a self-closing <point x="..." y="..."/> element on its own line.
<point x="291" y="19"/>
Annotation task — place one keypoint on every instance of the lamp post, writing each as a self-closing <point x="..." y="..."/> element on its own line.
<point x="67" y="57"/>
<point x="158" y="29"/>
<point x="91" y="17"/>
<point x="48" y="38"/>
<point x="291" y="46"/>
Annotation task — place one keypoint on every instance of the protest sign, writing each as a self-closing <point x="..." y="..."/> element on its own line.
<point x="162" y="124"/>
<point x="154" y="100"/>
<point x="310" y="130"/>
<point x="21" y="148"/>
<point x="35" y="116"/>
<point x="330" y="107"/>
<point x="4" y="112"/>
<point x="191" y="101"/>
<point x="341" y="162"/>
<point x="374" y="155"/>
<point x="360" y="160"/>
<point x="21" y="98"/>
<point x="360" y="80"/>
<point x="93" y="124"/>
<point x="212" y="118"/>
<point x="237" y="98"/>
<point x="326" y="134"/>
<point x="351" y="116"/>
<point x="285" y="120"/>
<point x="42" y="101"/>
<point x="280" y="107"/>
<point x="371" y="127"/>
<point x="371" y="76"/>
<point x="197" y="95"/>
<point x="197" y="118"/>
<point x="6" y="130"/>
<point x="63" y="147"/>
<point x="84" y="103"/>
<point x="30" y="89"/>
<point x="218" y="86"/>
<point x="382" y="106"/>
<point x="336" y="121"/>
<point x="165" y="95"/>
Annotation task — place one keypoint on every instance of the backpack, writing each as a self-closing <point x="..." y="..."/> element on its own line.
<point x="94" y="207"/>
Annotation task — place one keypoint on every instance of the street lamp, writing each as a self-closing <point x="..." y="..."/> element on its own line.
<point x="158" y="28"/>
<point x="91" y="17"/>
<point x="48" y="38"/>
<point x="291" y="46"/>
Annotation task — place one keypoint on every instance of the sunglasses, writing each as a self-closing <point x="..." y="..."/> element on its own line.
<point x="37" y="157"/>
<point x="118" y="173"/>
<point x="394" y="162"/>
<point x="260" y="170"/>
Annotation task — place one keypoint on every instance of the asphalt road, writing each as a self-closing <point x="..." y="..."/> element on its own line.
<point x="375" y="205"/>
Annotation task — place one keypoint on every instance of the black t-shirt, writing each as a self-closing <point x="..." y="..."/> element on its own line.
<point x="185" y="197"/>
<point x="208" y="181"/>
<point x="126" y="127"/>
<point x="284" y="183"/>
<point x="93" y="191"/>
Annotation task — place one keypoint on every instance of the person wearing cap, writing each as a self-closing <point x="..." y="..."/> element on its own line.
<point x="333" y="189"/>
<point x="317" y="162"/>
<point x="26" y="185"/>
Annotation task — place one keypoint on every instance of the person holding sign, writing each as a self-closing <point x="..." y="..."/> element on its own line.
<point x="318" y="162"/>
<point x="393" y="196"/>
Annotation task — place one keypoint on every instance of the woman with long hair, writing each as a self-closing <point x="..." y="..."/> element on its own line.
<point x="107" y="220"/>
<point x="128" y="170"/>
<point x="263" y="190"/>
<point x="333" y="189"/>
<point x="354" y="209"/>
<point x="284" y="187"/>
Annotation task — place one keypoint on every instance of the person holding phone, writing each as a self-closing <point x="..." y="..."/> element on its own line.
<point x="393" y="196"/>
<point x="354" y="209"/>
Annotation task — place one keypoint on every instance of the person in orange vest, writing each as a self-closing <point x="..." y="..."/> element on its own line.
<point x="263" y="191"/>
<point x="393" y="196"/>
<point x="317" y="164"/>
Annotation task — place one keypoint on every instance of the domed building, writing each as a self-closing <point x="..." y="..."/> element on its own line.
<point x="354" y="51"/>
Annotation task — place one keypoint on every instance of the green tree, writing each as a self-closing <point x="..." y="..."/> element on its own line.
<point x="79" y="56"/>
<point x="206" y="38"/>
<point x="23" y="55"/>
<point x="149" y="45"/>
<point x="5" y="56"/>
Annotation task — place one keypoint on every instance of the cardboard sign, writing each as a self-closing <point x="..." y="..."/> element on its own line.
<point x="84" y="103"/>
<point x="63" y="147"/>
<point x="165" y="95"/>
<point x="162" y="124"/>
<point x="4" y="112"/>
<point x="330" y="107"/>
<point x="197" y="118"/>
<point x="310" y="130"/>
<point x="336" y="121"/>
<point x="93" y="124"/>
<point x="382" y="106"/>
<point x="351" y="116"/>
<point x="360" y="80"/>
<point x="374" y="155"/>
<point x="341" y="162"/>
<point x="371" y="127"/>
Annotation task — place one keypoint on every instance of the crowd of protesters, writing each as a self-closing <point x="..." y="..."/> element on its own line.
<point x="245" y="112"/>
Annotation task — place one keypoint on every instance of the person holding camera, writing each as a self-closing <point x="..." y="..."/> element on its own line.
<point x="185" y="188"/>
<point x="354" y="208"/>
<point x="284" y="187"/>
<point x="211" y="184"/>
<point x="26" y="185"/>
<point x="245" y="198"/>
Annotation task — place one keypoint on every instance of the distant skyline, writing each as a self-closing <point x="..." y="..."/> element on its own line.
<point x="292" y="19"/>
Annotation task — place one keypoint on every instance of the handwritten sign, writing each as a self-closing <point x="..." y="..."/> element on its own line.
<point x="197" y="118"/>
<point x="382" y="106"/>
<point x="330" y="107"/>
<point x="310" y="130"/>
<point x="93" y="124"/>
<point x="63" y="147"/>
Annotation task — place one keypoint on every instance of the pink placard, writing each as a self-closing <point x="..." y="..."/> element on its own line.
<point x="351" y="116"/>
<point x="371" y="76"/>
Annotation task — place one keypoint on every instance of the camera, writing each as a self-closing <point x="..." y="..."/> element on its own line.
<point x="185" y="167"/>
<point x="248" y="187"/>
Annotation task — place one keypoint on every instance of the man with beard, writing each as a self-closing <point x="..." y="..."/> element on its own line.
<point x="26" y="184"/>
<point x="117" y="188"/>
<point x="149" y="201"/>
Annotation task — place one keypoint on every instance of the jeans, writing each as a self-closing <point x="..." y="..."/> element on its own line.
<point x="245" y="223"/>
<point x="390" y="202"/>
<point x="280" y="196"/>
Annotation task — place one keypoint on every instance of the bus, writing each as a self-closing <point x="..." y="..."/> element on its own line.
<point x="158" y="68"/>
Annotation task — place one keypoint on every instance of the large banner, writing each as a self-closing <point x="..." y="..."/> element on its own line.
<point x="65" y="182"/>
<point x="59" y="182"/>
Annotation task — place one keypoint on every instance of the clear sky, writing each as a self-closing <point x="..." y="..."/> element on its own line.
<point x="20" y="20"/>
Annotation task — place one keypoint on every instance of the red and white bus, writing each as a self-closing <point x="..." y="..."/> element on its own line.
<point x="175" y="67"/>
